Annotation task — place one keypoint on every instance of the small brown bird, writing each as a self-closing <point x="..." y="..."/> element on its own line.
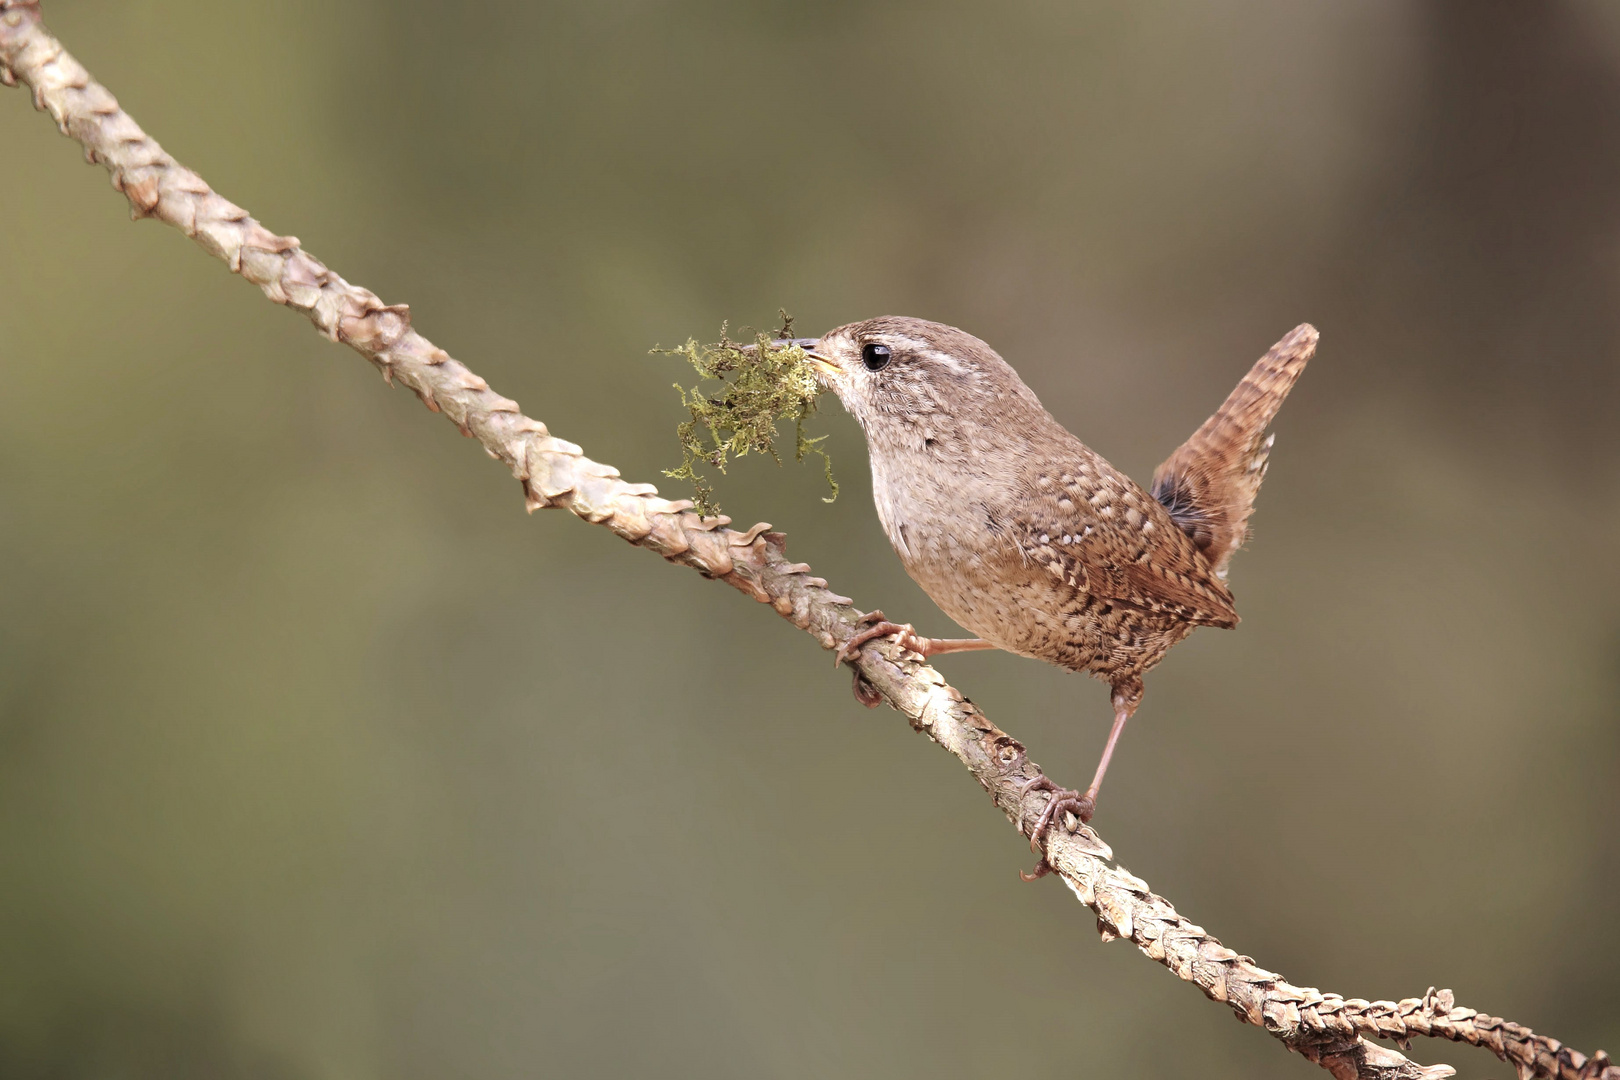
<point x="1026" y="536"/>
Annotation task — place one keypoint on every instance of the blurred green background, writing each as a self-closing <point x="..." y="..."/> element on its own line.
<point x="320" y="759"/>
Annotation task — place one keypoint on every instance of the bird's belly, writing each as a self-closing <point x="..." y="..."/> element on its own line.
<point x="975" y="576"/>
<point x="1024" y="610"/>
<point x="979" y="577"/>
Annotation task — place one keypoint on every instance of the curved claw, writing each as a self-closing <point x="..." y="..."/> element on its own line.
<point x="878" y="626"/>
<point x="846" y="652"/>
<point x="1042" y="868"/>
<point x="865" y="692"/>
<point x="1063" y="799"/>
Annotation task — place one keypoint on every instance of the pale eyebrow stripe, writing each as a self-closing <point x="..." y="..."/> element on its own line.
<point x="943" y="358"/>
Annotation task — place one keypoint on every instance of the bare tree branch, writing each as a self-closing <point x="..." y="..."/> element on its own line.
<point x="1327" y="1029"/>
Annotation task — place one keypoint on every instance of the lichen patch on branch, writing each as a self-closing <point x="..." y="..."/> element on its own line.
<point x="760" y="385"/>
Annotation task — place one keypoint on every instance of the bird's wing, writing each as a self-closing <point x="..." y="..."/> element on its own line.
<point x="1093" y="528"/>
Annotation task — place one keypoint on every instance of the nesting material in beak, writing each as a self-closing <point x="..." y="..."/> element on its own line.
<point x="825" y="368"/>
<point x="749" y="389"/>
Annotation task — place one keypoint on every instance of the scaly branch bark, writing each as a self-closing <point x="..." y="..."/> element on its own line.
<point x="1326" y="1028"/>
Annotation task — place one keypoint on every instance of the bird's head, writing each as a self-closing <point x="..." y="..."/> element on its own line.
<point x="895" y="373"/>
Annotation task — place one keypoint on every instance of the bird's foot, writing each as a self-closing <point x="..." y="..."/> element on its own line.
<point x="1063" y="800"/>
<point x="877" y="625"/>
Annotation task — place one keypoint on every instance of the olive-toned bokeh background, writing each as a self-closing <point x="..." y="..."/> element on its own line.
<point x="320" y="759"/>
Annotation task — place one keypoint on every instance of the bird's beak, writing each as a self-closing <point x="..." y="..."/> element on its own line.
<point x="824" y="367"/>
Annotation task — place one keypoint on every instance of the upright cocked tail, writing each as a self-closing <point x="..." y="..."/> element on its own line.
<point x="1209" y="484"/>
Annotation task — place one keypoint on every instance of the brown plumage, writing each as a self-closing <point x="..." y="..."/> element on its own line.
<point x="1210" y="482"/>
<point x="1026" y="536"/>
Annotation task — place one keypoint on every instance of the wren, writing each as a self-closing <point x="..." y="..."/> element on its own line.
<point x="1029" y="538"/>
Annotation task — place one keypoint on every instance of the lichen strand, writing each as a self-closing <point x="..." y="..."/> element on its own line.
<point x="761" y="385"/>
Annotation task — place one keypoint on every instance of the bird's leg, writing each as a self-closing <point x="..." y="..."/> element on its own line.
<point x="1122" y="713"/>
<point x="934" y="646"/>
<point x="1081" y="806"/>
<point x="877" y="625"/>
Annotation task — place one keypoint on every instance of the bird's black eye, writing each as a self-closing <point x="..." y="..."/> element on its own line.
<point x="875" y="357"/>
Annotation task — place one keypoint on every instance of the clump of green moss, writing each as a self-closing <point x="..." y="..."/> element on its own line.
<point x="760" y="384"/>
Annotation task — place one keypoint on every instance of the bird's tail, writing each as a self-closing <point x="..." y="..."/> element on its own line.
<point x="1209" y="484"/>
